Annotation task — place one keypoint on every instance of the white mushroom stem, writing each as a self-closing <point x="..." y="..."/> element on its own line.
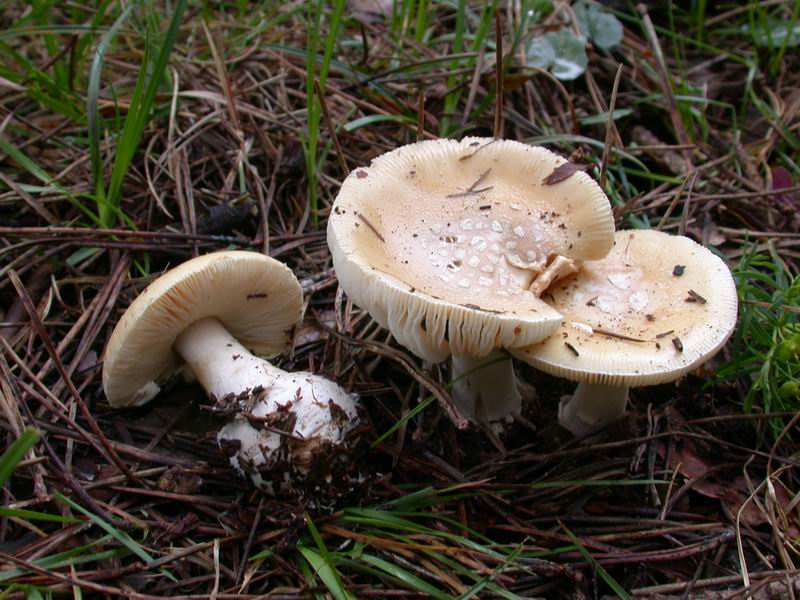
<point x="485" y="393"/>
<point x="592" y="408"/>
<point x="221" y="364"/>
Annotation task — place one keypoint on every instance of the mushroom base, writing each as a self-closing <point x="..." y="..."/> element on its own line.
<point x="591" y="408"/>
<point x="299" y="431"/>
<point x="485" y="389"/>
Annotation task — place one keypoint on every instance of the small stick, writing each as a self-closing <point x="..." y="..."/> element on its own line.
<point x="372" y="227"/>
<point x="695" y="297"/>
<point x="421" y="116"/>
<point x="479" y="180"/>
<point x="617" y="335"/>
<point x="51" y="349"/>
<point x="686" y="204"/>
<point x="478" y="149"/>
<point x="251" y="537"/>
<point x="498" y="108"/>
<point x="666" y="83"/>
<point x="609" y="129"/>
<point x="674" y="202"/>
<point x="473" y="189"/>
<point x="327" y="116"/>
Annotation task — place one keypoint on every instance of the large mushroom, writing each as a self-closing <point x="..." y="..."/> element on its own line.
<point x="449" y="244"/>
<point x="215" y="316"/>
<point x="654" y="309"/>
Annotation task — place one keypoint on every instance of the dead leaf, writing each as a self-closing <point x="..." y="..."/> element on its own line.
<point x="180" y="481"/>
<point x="714" y="481"/>
<point x="565" y="171"/>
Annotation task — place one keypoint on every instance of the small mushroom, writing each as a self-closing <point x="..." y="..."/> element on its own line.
<point x="450" y="244"/>
<point x="629" y="322"/>
<point x="206" y="316"/>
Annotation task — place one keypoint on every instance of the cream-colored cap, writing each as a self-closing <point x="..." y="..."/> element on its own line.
<point x="655" y="308"/>
<point x="442" y="241"/>
<point x="255" y="297"/>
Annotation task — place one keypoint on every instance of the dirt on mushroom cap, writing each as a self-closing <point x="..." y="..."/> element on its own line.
<point x="463" y="225"/>
<point x="631" y="319"/>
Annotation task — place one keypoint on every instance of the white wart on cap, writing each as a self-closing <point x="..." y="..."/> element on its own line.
<point x="448" y="244"/>
<point x="654" y="309"/>
<point x="257" y="299"/>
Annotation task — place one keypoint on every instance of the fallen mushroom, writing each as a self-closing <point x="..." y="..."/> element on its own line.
<point x="449" y="244"/>
<point x="633" y="319"/>
<point x="214" y="316"/>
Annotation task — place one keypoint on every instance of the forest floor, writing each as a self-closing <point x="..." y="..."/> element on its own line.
<point x="223" y="143"/>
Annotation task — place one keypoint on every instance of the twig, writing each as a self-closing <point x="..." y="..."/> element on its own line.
<point x="609" y="129"/>
<point x="37" y="323"/>
<point x="666" y="83"/>
<point x="372" y="228"/>
<point x="421" y="116"/>
<point x="498" y="107"/>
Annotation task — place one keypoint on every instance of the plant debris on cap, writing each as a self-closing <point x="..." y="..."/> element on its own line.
<point x="627" y="321"/>
<point x="256" y="298"/>
<point x="449" y="244"/>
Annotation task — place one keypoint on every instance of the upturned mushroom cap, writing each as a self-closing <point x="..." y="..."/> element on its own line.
<point x="441" y="240"/>
<point x="654" y="309"/>
<point x="256" y="298"/>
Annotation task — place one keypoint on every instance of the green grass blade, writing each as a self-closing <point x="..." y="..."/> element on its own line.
<point x="92" y="97"/>
<point x="409" y="579"/>
<point x="33" y="515"/>
<point x="11" y="457"/>
<point x="135" y="121"/>
<point x="35" y="170"/>
<point x="327" y="572"/>
<point x="596" y="566"/>
<point x="122" y="537"/>
<point x="327" y="569"/>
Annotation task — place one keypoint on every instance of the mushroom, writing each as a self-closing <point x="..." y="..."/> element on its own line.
<point x="214" y="316"/>
<point x="449" y="244"/>
<point x="654" y="309"/>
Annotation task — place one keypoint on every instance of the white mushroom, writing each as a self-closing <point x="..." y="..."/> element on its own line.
<point x="443" y="243"/>
<point x="654" y="309"/>
<point x="215" y="315"/>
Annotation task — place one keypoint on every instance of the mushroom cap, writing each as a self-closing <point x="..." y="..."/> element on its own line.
<point x="255" y="297"/>
<point x="683" y="319"/>
<point x="438" y="241"/>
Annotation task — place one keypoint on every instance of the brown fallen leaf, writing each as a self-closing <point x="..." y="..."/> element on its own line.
<point x="180" y="481"/>
<point x="714" y="480"/>
<point x="565" y="171"/>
